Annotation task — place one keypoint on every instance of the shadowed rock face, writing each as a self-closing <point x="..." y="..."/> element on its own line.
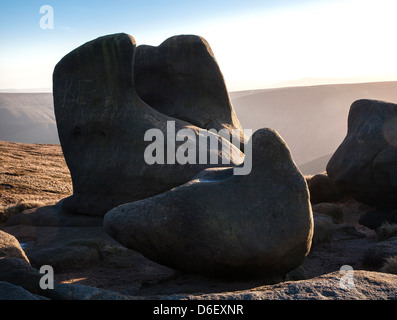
<point x="365" y="164"/>
<point x="226" y="225"/>
<point x="182" y="79"/>
<point x="101" y="124"/>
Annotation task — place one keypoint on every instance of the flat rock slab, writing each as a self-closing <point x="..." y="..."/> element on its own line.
<point x="375" y="219"/>
<point x="9" y="291"/>
<point x="103" y="125"/>
<point x="53" y="216"/>
<point x="367" y="285"/>
<point x="181" y="78"/>
<point x="70" y="248"/>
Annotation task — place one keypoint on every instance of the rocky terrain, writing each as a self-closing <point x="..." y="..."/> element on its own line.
<point x="133" y="229"/>
<point x="90" y="265"/>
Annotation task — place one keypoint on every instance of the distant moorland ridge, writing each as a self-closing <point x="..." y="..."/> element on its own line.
<point x="311" y="119"/>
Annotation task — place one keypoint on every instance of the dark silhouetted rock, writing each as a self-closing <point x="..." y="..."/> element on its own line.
<point x="181" y="78"/>
<point x="368" y="285"/>
<point x="225" y="225"/>
<point x="346" y="232"/>
<point x="374" y="219"/>
<point x="70" y="248"/>
<point x="365" y="164"/>
<point x="323" y="228"/>
<point x="322" y="189"/>
<point x="53" y="216"/>
<point x="9" y="291"/>
<point x="102" y="124"/>
<point x="330" y="209"/>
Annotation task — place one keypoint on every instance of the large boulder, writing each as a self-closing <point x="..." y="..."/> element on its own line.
<point x="225" y="225"/>
<point x="181" y="78"/>
<point x="102" y="124"/>
<point x="365" y="164"/>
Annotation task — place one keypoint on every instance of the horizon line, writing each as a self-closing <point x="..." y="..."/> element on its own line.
<point x="280" y="85"/>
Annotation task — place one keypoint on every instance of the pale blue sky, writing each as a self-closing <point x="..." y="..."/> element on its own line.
<point x="257" y="43"/>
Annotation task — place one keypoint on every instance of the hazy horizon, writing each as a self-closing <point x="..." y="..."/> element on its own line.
<point x="282" y="85"/>
<point x="257" y="44"/>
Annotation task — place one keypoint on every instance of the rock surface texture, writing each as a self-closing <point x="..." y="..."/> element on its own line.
<point x="365" y="164"/>
<point x="102" y="123"/>
<point x="136" y="231"/>
<point x="223" y="224"/>
<point x="181" y="78"/>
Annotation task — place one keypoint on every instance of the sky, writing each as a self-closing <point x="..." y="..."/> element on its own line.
<point x="257" y="43"/>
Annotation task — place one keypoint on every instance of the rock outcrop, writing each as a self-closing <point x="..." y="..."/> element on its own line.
<point x="322" y="189"/>
<point x="226" y="225"/>
<point x="365" y="164"/>
<point x="181" y="78"/>
<point x="10" y="247"/>
<point x="102" y="124"/>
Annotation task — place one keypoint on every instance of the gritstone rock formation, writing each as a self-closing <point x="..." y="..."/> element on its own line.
<point x="365" y="164"/>
<point x="182" y="79"/>
<point x="102" y="123"/>
<point x="223" y="224"/>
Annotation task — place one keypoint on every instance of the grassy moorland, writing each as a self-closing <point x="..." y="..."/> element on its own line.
<point x="32" y="173"/>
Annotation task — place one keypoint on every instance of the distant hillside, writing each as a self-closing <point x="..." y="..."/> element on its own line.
<point x="315" y="166"/>
<point x="312" y="120"/>
<point x="27" y="118"/>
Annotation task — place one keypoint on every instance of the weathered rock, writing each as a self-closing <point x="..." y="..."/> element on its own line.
<point x="10" y="247"/>
<point x="53" y="216"/>
<point x="323" y="228"/>
<point x="386" y="231"/>
<point x="9" y="291"/>
<point x="322" y="189"/>
<point x="330" y="209"/>
<point x="20" y="273"/>
<point x="374" y="219"/>
<point x="70" y="248"/>
<point x="181" y="78"/>
<point x="367" y="285"/>
<point x="223" y="224"/>
<point x="346" y="232"/>
<point x="365" y="164"/>
<point x="11" y="210"/>
<point x="102" y="124"/>
<point x="375" y="256"/>
<point x="390" y="265"/>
